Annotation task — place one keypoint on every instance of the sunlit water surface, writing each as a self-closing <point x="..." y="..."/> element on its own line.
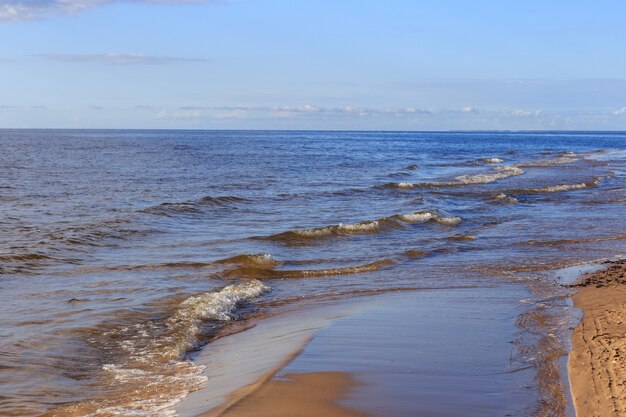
<point x="121" y="252"/>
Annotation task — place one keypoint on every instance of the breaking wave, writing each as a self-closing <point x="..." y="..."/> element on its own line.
<point x="491" y="160"/>
<point x="500" y="173"/>
<point x="505" y="198"/>
<point x="559" y="188"/>
<point x="150" y="374"/>
<point x="418" y="217"/>
<point x="269" y="273"/>
<point x="497" y="173"/>
<point x="368" y="227"/>
<point x="563" y="158"/>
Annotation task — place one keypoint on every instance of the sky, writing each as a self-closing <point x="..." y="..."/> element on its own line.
<point x="321" y="65"/>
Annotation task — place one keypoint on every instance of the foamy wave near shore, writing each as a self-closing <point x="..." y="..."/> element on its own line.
<point x="151" y="373"/>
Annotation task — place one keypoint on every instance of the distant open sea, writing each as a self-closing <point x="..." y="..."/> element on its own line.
<point x="123" y="252"/>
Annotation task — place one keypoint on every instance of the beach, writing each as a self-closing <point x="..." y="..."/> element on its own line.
<point x="597" y="365"/>
<point x="274" y="208"/>
<point x="315" y="379"/>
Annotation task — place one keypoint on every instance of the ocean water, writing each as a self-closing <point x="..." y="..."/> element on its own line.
<point x="124" y="252"/>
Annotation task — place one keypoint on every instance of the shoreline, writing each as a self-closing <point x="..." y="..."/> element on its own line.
<point x="374" y="362"/>
<point x="597" y="361"/>
<point x="239" y="364"/>
<point x="300" y="361"/>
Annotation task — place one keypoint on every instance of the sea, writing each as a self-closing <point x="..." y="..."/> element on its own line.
<point x="124" y="253"/>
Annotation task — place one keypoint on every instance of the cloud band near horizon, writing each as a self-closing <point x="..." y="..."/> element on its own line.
<point x="23" y="10"/>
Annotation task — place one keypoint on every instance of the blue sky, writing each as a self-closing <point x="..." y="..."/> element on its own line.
<point x="342" y="64"/>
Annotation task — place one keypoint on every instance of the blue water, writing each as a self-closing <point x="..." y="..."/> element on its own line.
<point x="115" y="246"/>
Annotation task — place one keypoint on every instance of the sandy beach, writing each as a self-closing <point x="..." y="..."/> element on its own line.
<point x="597" y="363"/>
<point x="296" y="395"/>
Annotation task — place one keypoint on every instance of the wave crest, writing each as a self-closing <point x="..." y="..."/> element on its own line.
<point x="559" y="188"/>
<point x="252" y="272"/>
<point x="497" y="173"/>
<point x="367" y="227"/>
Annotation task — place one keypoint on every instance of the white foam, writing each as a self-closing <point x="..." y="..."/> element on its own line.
<point x="506" y="198"/>
<point x="263" y="258"/>
<point x="359" y="227"/>
<point x="561" y="187"/>
<point x="155" y="353"/>
<point x="340" y="228"/>
<point x="448" y="221"/>
<point x="418" y="217"/>
<point x="500" y="173"/>
<point x="219" y="305"/>
<point x="492" y="160"/>
<point x="566" y="158"/>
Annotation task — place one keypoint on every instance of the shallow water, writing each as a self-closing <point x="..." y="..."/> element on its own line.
<point x="121" y="252"/>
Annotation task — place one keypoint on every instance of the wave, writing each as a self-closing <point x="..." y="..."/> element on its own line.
<point x="559" y="188"/>
<point x="265" y="273"/>
<point x="491" y="160"/>
<point x="559" y="242"/>
<point x="448" y="221"/>
<point x="500" y="173"/>
<point x="504" y="198"/>
<point x="563" y="158"/>
<point x="194" y="206"/>
<point x="335" y="230"/>
<point x="215" y="305"/>
<point x="367" y="227"/>
<point x="147" y="370"/>
<point x="417" y="217"/>
<point x="497" y="173"/>
<point x="255" y="272"/>
<point x="24" y="257"/>
<point x="259" y="260"/>
<point x="461" y="237"/>
<point x="179" y="332"/>
<point x="399" y="174"/>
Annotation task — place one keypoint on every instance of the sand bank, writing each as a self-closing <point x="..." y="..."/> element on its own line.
<point x="597" y="363"/>
<point x="428" y="353"/>
<point x="297" y="395"/>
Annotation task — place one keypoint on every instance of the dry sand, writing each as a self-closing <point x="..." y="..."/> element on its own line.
<point x="597" y="363"/>
<point x="295" y="395"/>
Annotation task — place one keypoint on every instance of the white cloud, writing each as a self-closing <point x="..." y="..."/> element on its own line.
<point x="287" y="111"/>
<point x="619" y="112"/>
<point x="525" y="113"/>
<point x="181" y="115"/>
<point x="469" y="109"/>
<point x="12" y="10"/>
<point x="117" y="59"/>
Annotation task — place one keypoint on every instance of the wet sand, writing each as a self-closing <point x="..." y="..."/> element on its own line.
<point x="597" y="363"/>
<point x="296" y="395"/>
<point x="429" y="353"/>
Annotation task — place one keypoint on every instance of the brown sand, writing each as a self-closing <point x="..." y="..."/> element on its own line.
<point x="597" y="363"/>
<point x="295" y="395"/>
